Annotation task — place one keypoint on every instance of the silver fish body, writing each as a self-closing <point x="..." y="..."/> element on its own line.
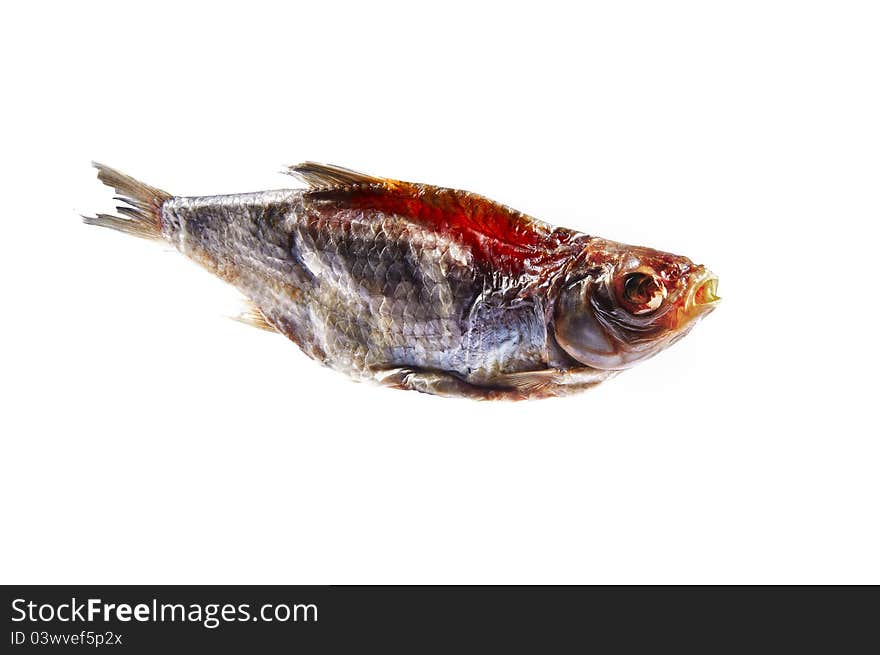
<point x="364" y="292"/>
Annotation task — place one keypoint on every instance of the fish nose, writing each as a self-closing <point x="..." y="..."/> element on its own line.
<point x="706" y="291"/>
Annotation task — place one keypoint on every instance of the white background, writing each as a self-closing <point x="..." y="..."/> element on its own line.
<point x="148" y="439"/>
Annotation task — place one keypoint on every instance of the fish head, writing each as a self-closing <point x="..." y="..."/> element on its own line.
<point x="627" y="303"/>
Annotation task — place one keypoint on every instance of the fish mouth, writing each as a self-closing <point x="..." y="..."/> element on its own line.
<point x="704" y="296"/>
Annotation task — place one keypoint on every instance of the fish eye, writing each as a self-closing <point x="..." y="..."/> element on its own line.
<point x="642" y="292"/>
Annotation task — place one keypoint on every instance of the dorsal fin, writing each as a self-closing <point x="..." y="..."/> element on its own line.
<point x="324" y="176"/>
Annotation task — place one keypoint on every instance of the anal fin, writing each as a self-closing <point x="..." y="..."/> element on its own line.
<point x="253" y="316"/>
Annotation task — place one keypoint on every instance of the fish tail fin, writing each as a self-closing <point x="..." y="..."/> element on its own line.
<point x="142" y="212"/>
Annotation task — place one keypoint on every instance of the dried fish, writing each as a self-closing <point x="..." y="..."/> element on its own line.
<point x="428" y="288"/>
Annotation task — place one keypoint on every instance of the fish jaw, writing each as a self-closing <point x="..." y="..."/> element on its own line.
<point x="703" y="296"/>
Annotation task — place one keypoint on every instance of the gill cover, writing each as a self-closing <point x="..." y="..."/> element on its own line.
<point x="578" y="330"/>
<point x="592" y="325"/>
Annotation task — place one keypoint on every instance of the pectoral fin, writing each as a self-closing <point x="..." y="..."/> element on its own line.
<point x="554" y="382"/>
<point x="441" y="383"/>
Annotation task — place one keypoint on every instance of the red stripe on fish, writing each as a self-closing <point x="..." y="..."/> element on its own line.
<point x="498" y="236"/>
